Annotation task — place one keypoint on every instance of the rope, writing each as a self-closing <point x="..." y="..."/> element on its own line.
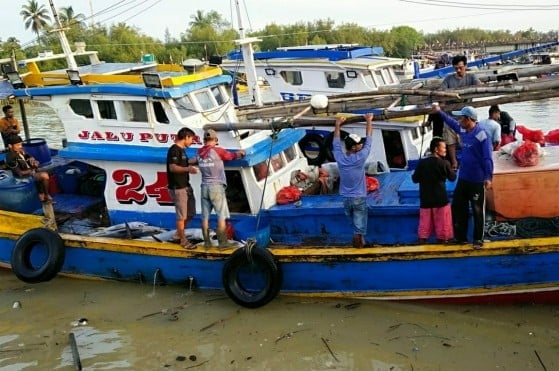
<point x="496" y="229"/>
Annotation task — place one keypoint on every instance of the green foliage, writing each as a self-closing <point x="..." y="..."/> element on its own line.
<point x="207" y="33"/>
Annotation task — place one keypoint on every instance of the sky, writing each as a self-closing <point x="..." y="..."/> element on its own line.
<point x="154" y="17"/>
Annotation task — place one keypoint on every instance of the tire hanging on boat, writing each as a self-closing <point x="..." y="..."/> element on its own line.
<point x="329" y="145"/>
<point x="315" y="140"/>
<point x="42" y="238"/>
<point x="245" y="261"/>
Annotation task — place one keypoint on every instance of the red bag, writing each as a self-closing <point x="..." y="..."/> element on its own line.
<point x="531" y="135"/>
<point x="527" y="154"/>
<point x="288" y="194"/>
<point x="372" y="184"/>
<point x="552" y="136"/>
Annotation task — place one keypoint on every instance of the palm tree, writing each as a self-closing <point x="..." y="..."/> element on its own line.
<point x="36" y="17"/>
<point x="69" y="18"/>
<point x="210" y="19"/>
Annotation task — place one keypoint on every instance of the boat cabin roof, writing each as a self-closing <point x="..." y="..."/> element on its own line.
<point x="329" y="52"/>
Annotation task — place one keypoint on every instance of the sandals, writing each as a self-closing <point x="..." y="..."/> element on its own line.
<point x="187" y="245"/>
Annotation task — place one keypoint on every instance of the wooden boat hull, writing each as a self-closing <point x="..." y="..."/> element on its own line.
<point x="515" y="270"/>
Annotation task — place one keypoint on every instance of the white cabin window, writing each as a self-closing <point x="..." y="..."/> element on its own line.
<point x="292" y="77"/>
<point x="160" y="114"/>
<point x="82" y="107"/>
<point x="335" y="80"/>
<point x="134" y="111"/>
<point x="277" y="162"/>
<point x="369" y="80"/>
<point x="388" y="78"/>
<point x="185" y="107"/>
<point x="205" y="100"/>
<point x="218" y="95"/>
<point x="290" y="153"/>
<point x="106" y="109"/>
<point x="260" y="170"/>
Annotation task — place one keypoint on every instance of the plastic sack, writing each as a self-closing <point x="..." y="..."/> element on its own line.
<point x="527" y="154"/>
<point x="531" y="134"/>
<point x="372" y="184"/>
<point x="288" y="194"/>
<point x="552" y="136"/>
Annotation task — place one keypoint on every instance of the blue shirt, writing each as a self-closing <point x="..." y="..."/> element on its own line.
<point x="477" y="161"/>
<point x="352" y="168"/>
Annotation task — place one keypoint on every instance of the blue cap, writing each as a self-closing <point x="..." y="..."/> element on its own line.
<point x="467" y="111"/>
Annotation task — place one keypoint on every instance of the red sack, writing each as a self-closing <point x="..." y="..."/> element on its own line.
<point x="372" y="184"/>
<point x="288" y="194"/>
<point x="531" y="135"/>
<point x="527" y="154"/>
<point x="552" y="136"/>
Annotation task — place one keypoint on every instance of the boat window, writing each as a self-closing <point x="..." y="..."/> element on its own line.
<point x="260" y="170"/>
<point x="82" y="107"/>
<point x="335" y="79"/>
<point x="185" y="107"/>
<point x="290" y="153"/>
<point x="277" y="162"/>
<point x="292" y="77"/>
<point x="107" y="109"/>
<point x="388" y="79"/>
<point x="205" y="100"/>
<point x="394" y="148"/>
<point x="160" y="114"/>
<point x="415" y="133"/>
<point x="235" y="192"/>
<point x="379" y="78"/>
<point x="369" y="80"/>
<point x="134" y="111"/>
<point x="217" y="95"/>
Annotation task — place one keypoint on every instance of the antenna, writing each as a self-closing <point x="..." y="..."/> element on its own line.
<point x="72" y="65"/>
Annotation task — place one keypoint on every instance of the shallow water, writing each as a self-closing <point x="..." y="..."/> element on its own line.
<point x="140" y="327"/>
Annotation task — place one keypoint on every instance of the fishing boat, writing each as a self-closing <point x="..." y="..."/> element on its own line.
<point x="120" y="119"/>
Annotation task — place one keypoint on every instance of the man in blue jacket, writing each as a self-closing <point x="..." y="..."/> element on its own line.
<point x="475" y="176"/>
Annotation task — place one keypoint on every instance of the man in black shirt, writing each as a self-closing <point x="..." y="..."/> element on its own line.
<point x="179" y="168"/>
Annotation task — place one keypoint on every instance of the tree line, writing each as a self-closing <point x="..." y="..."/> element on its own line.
<point x="208" y="33"/>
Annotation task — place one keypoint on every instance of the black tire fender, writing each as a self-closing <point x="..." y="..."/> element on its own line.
<point x="21" y="255"/>
<point x="329" y="145"/>
<point x="252" y="259"/>
<point x="313" y="138"/>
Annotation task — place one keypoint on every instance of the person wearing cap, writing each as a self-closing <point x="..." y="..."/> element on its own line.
<point x="24" y="165"/>
<point x="179" y="168"/>
<point x="210" y="159"/>
<point x="8" y="124"/>
<point x="353" y="185"/>
<point x="475" y="176"/>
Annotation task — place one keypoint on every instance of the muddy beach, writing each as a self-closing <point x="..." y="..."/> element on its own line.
<point x="129" y="326"/>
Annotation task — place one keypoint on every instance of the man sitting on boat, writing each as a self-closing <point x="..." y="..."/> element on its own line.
<point x="23" y="165"/>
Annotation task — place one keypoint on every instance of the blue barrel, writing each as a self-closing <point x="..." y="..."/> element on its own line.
<point x="19" y="195"/>
<point x="37" y="147"/>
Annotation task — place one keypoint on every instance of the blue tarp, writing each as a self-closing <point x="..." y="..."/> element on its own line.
<point x="6" y="89"/>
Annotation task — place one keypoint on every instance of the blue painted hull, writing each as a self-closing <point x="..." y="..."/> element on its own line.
<point x="525" y="269"/>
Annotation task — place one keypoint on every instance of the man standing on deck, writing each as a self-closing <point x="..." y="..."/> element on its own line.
<point x="179" y="169"/>
<point x="210" y="159"/>
<point x="459" y="79"/>
<point x="475" y="176"/>
<point x="353" y="185"/>
<point x="9" y="125"/>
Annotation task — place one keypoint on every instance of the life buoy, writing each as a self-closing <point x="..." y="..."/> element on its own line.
<point x="329" y="145"/>
<point x="49" y="249"/>
<point x="312" y="146"/>
<point x="251" y="277"/>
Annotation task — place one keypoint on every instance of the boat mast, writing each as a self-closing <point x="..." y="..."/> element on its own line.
<point x="63" y="40"/>
<point x="248" y="58"/>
